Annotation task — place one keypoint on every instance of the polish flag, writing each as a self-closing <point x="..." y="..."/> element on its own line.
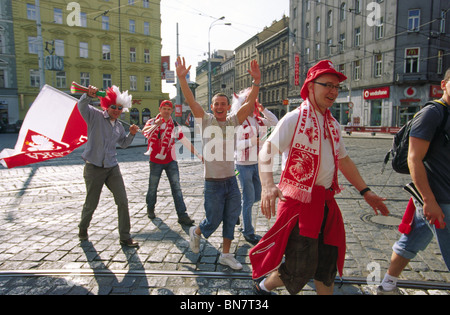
<point x="53" y="128"/>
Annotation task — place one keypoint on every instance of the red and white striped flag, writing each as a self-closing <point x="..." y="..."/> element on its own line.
<point x="52" y="128"/>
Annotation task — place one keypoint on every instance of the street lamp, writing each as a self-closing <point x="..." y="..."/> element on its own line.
<point x="209" y="57"/>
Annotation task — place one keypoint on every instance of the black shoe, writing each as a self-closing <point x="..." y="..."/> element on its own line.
<point x="258" y="291"/>
<point x="83" y="235"/>
<point x="151" y="213"/>
<point x="252" y="239"/>
<point x="186" y="221"/>
<point x="129" y="242"/>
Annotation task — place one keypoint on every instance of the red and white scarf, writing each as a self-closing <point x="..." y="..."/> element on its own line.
<point x="248" y="132"/>
<point x="165" y="136"/>
<point x="302" y="165"/>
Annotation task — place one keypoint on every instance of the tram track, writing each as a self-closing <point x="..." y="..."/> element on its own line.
<point x="406" y="284"/>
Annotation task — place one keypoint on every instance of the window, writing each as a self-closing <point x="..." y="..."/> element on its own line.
<point x="132" y="26"/>
<point x="146" y="55"/>
<point x="85" y="78"/>
<point x="307" y="30"/>
<point x="442" y="24"/>
<point x="357" y="37"/>
<point x="31" y="11"/>
<point x="412" y="60"/>
<point x="318" y="24"/>
<point x="357" y="6"/>
<point x="343" y="12"/>
<point x="3" y="78"/>
<point x="341" y="68"/>
<point x="330" y="46"/>
<point x="146" y="28"/>
<point x="356" y="70"/>
<point x="2" y="42"/>
<point x="60" y="79"/>
<point x="330" y="18"/>
<point x="133" y="83"/>
<point x="317" y="52"/>
<point x="440" y="62"/>
<point x="341" y="42"/>
<point x="378" y="65"/>
<point x="59" y="47"/>
<point x="107" y="81"/>
<point x="83" y="19"/>
<point x="413" y="20"/>
<point x="57" y="16"/>
<point x="35" y="79"/>
<point x="147" y="84"/>
<point x="379" y="29"/>
<point x="106" y="52"/>
<point x="84" y="50"/>
<point x="132" y="54"/>
<point x="32" y="45"/>
<point x="146" y="3"/>
<point x="105" y="23"/>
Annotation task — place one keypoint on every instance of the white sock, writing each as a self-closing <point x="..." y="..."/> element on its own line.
<point x="389" y="282"/>
<point x="262" y="286"/>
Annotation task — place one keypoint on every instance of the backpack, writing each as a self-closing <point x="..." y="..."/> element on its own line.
<point x="400" y="145"/>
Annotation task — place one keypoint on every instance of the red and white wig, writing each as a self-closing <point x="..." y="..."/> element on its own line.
<point x="114" y="97"/>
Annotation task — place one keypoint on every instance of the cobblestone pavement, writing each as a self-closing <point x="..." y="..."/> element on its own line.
<point x="40" y="252"/>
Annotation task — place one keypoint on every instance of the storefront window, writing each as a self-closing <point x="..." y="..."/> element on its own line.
<point x="341" y="113"/>
<point x="146" y="115"/>
<point x="134" y="116"/>
<point x="407" y="112"/>
<point x="375" y="113"/>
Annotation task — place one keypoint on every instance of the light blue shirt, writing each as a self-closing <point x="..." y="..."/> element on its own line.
<point x="103" y="136"/>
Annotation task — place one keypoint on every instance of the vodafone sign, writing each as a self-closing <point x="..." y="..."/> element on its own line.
<point x="377" y="93"/>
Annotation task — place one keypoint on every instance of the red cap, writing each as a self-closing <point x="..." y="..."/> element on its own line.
<point x="166" y="103"/>
<point x="321" y="68"/>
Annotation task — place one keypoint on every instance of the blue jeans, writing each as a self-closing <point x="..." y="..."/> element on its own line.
<point x="173" y="174"/>
<point x="251" y="193"/>
<point x="421" y="235"/>
<point x="222" y="205"/>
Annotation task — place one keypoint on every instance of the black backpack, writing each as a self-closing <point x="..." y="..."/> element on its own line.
<point x="400" y="145"/>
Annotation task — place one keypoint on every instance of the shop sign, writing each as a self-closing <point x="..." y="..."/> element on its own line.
<point x="297" y="70"/>
<point x="436" y="91"/>
<point x="377" y="93"/>
<point x="410" y="91"/>
<point x="178" y="110"/>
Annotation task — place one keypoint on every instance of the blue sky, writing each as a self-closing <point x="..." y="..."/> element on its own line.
<point x="248" y="17"/>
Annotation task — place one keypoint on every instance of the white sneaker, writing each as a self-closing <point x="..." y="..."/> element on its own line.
<point x="382" y="291"/>
<point x="194" y="240"/>
<point x="230" y="261"/>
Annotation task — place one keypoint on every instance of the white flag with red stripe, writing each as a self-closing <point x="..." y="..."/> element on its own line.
<point x="52" y="128"/>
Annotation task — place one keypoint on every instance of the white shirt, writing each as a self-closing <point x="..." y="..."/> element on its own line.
<point x="282" y="138"/>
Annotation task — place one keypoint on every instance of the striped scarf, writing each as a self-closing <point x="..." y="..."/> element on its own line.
<point x="302" y="165"/>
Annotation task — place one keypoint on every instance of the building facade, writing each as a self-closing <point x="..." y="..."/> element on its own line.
<point x="273" y="51"/>
<point x="101" y="43"/>
<point x="9" y="101"/>
<point x="393" y="53"/>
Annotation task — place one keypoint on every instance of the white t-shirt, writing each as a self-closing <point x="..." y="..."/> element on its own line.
<point x="282" y="138"/>
<point x="218" y="146"/>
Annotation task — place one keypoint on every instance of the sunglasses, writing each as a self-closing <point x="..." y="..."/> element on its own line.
<point x="115" y="107"/>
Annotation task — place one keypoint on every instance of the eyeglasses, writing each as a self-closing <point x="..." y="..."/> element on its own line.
<point x="329" y="86"/>
<point x="115" y="107"/>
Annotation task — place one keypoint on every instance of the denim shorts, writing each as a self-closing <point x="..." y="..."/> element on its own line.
<point x="421" y="235"/>
<point x="222" y="205"/>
